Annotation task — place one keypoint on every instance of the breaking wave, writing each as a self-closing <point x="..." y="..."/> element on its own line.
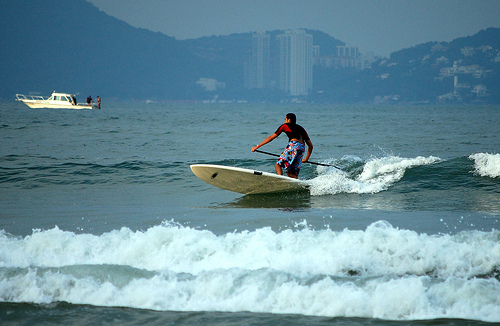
<point x="377" y="175"/>
<point x="487" y="165"/>
<point x="381" y="272"/>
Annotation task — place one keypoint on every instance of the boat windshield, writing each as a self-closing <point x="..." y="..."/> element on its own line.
<point x="60" y="98"/>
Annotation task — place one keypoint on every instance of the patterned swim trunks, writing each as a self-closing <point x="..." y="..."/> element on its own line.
<point x="291" y="158"/>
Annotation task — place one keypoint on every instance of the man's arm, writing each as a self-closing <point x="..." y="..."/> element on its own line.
<point x="309" y="150"/>
<point x="265" y="141"/>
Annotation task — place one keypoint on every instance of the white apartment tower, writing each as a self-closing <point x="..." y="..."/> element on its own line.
<point x="259" y="69"/>
<point x="296" y="62"/>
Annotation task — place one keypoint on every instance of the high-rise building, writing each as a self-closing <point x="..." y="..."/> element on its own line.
<point x="296" y="62"/>
<point x="259" y="69"/>
<point x="348" y="56"/>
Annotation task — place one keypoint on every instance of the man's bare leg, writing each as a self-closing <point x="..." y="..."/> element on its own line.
<point x="279" y="171"/>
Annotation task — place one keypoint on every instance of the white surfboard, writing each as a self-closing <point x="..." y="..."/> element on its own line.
<point x="246" y="181"/>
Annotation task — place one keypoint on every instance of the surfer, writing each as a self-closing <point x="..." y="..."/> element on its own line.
<point x="291" y="158"/>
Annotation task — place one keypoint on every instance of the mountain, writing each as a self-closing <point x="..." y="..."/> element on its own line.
<point x="71" y="46"/>
<point x="445" y="71"/>
<point x="464" y="70"/>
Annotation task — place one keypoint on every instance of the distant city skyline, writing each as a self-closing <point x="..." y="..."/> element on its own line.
<point x="381" y="26"/>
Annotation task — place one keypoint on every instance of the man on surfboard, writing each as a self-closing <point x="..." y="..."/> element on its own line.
<point x="291" y="158"/>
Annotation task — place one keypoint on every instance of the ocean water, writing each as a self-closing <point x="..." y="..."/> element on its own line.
<point x="102" y="221"/>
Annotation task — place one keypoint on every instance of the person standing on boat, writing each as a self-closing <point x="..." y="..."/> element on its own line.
<point x="74" y="99"/>
<point x="98" y="102"/>
<point x="89" y="100"/>
<point x="291" y="158"/>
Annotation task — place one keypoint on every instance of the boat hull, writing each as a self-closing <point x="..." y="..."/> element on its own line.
<point x="45" y="105"/>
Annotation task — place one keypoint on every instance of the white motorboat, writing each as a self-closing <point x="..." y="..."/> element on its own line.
<point x="55" y="101"/>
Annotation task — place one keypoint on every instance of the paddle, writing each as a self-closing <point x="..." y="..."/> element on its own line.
<point x="333" y="166"/>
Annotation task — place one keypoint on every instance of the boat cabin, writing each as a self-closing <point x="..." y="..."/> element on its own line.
<point x="60" y="97"/>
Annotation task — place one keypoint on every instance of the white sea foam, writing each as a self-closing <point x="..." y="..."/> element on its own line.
<point x="487" y="165"/>
<point x="378" y="174"/>
<point x="379" y="250"/>
<point x="265" y="290"/>
<point x="381" y="272"/>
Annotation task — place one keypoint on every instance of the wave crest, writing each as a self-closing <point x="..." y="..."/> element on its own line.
<point x="377" y="175"/>
<point x="486" y="165"/>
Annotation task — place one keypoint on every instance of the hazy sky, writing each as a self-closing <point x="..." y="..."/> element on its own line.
<point x="381" y="26"/>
